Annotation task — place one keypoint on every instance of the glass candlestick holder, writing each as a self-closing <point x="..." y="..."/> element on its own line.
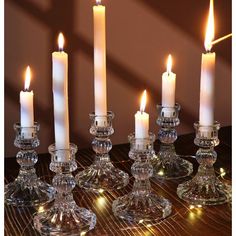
<point x="102" y="175"/>
<point x="27" y="190"/>
<point x="167" y="164"/>
<point x="141" y="204"/>
<point x="205" y="188"/>
<point x="64" y="217"/>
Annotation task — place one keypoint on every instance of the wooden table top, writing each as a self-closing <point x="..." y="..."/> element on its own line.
<point x="205" y="221"/>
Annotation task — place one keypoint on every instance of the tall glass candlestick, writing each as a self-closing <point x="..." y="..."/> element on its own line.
<point x="64" y="217"/>
<point x="141" y="204"/>
<point x="205" y="188"/>
<point x="167" y="164"/>
<point x="102" y="175"/>
<point x="28" y="190"/>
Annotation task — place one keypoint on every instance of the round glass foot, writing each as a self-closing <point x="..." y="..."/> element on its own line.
<point x="102" y="178"/>
<point x="173" y="167"/>
<point x="146" y="208"/>
<point x="206" y="192"/>
<point x="27" y="194"/>
<point x="65" y="221"/>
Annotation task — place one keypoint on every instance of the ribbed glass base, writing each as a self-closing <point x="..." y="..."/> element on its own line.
<point x="141" y="208"/>
<point x="202" y="190"/>
<point x="171" y="166"/>
<point x="28" y="192"/>
<point x="101" y="177"/>
<point x="65" y="220"/>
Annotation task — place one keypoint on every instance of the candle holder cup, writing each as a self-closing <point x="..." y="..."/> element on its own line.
<point x="102" y="175"/>
<point x="64" y="217"/>
<point x="205" y="188"/>
<point x="141" y="204"/>
<point x="27" y="190"/>
<point x="167" y="164"/>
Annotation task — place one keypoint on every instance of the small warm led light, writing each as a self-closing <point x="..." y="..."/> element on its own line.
<point x="40" y="209"/>
<point x="199" y="206"/>
<point x="222" y="172"/>
<point x="101" y="190"/>
<point x="101" y="202"/>
<point x="141" y="221"/>
<point x="82" y="233"/>
<point x="191" y="207"/>
<point x="161" y="173"/>
<point x="149" y="225"/>
<point x="192" y="216"/>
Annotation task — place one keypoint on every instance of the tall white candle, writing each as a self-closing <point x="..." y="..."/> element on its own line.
<point x="142" y="119"/>
<point x="168" y="85"/>
<point x="27" y="107"/>
<point x="206" y="110"/>
<point x="100" y="88"/>
<point x="60" y="97"/>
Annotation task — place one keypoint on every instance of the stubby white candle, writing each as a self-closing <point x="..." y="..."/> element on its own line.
<point x="168" y="85"/>
<point x="206" y="110"/>
<point x="60" y="98"/>
<point x="142" y="119"/>
<point x="27" y="107"/>
<point x="100" y="87"/>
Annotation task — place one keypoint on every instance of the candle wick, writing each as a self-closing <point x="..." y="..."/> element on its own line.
<point x="60" y="50"/>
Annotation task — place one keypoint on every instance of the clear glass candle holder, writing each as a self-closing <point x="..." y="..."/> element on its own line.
<point x="205" y="188"/>
<point x="27" y="190"/>
<point x="167" y="164"/>
<point x="102" y="175"/>
<point x="141" y="204"/>
<point x="64" y="218"/>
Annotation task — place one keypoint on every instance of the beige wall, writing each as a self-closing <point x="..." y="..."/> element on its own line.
<point x="138" y="42"/>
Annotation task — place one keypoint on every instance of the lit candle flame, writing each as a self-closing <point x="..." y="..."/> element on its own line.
<point x="169" y="64"/>
<point x="99" y="2"/>
<point x="61" y="41"/>
<point x="27" y="78"/>
<point x="143" y="101"/>
<point x="210" y="29"/>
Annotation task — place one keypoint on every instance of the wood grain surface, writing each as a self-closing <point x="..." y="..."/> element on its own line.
<point x="205" y="221"/>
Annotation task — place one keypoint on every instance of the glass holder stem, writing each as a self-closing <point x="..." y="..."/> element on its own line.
<point x="27" y="190"/>
<point x="64" y="217"/>
<point x="205" y="188"/>
<point x="141" y="204"/>
<point x="167" y="164"/>
<point x="102" y="175"/>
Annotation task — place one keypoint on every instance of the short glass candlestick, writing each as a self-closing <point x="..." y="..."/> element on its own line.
<point x="141" y="204"/>
<point x="27" y="190"/>
<point x="205" y="188"/>
<point x="167" y="164"/>
<point x="64" y="217"/>
<point x="102" y="175"/>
